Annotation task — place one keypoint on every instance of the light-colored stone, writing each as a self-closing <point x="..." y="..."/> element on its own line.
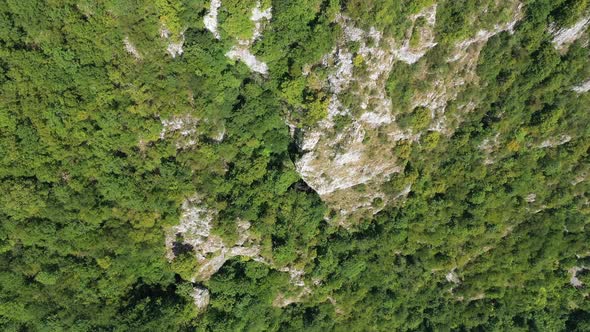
<point x="563" y="37"/>
<point x="257" y="16"/>
<point x="282" y="301"/>
<point x="489" y="146"/>
<point x="243" y="54"/>
<point x="174" y="47"/>
<point x="582" y="88"/>
<point x="296" y="275"/>
<point x="531" y="198"/>
<point x="555" y="141"/>
<point x="453" y="277"/>
<point x="241" y="51"/>
<point x="201" y="297"/>
<point x="409" y="54"/>
<point x="574" y="280"/>
<point x="131" y="49"/>
<point x="184" y="126"/>
<point x="337" y="159"/>
<point x="210" y="20"/>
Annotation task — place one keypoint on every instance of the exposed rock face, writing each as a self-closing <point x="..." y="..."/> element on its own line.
<point x="195" y="228"/>
<point x="338" y="158"/>
<point x="563" y="37"/>
<point x="175" y="49"/>
<point x="282" y="301"/>
<point x="257" y="16"/>
<point x="556" y="141"/>
<point x="482" y="36"/>
<point x="184" y="126"/>
<point x="463" y="63"/>
<point x="489" y="146"/>
<point x="174" y="44"/>
<point x="296" y="276"/>
<point x="242" y="52"/>
<point x="210" y="19"/>
<point x="574" y="281"/>
<point x="531" y="198"/>
<point x="296" y="280"/>
<point x="346" y="149"/>
<point x="182" y="129"/>
<point x="582" y="88"/>
<point x="410" y="54"/>
<point x="453" y="277"/>
<point x="210" y="250"/>
<point x="201" y="297"/>
<point x="130" y="48"/>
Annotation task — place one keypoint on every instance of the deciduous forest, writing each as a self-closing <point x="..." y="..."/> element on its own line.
<point x="282" y="165"/>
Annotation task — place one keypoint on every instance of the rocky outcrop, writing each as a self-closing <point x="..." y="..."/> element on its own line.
<point x="210" y="19"/>
<point x="555" y="141"/>
<point x="563" y="37"/>
<point x="462" y="71"/>
<point x="201" y="297"/>
<point x="582" y="88"/>
<point x="131" y="49"/>
<point x="174" y="43"/>
<point x="452" y="277"/>
<point x="488" y="146"/>
<point x="338" y="158"/>
<point x="348" y="156"/>
<point x="574" y="280"/>
<point x="182" y="129"/>
<point x="424" y="35"/>
<point x="242" y="52"/>
<point x="282" y="300"/>
<point x="210" y="250"/>
<point x="195" y="231"/>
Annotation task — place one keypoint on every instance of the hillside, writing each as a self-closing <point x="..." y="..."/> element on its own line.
<point x="310" y="165"/>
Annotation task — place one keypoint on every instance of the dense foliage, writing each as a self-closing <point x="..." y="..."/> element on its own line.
<point x="89" y="186"/>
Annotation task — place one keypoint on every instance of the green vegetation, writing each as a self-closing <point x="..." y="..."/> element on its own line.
<point x="419" y="119"/>
<point x="235" y="18"/>
<point x="388" y="16"/>
<point x="483" y="241"/>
